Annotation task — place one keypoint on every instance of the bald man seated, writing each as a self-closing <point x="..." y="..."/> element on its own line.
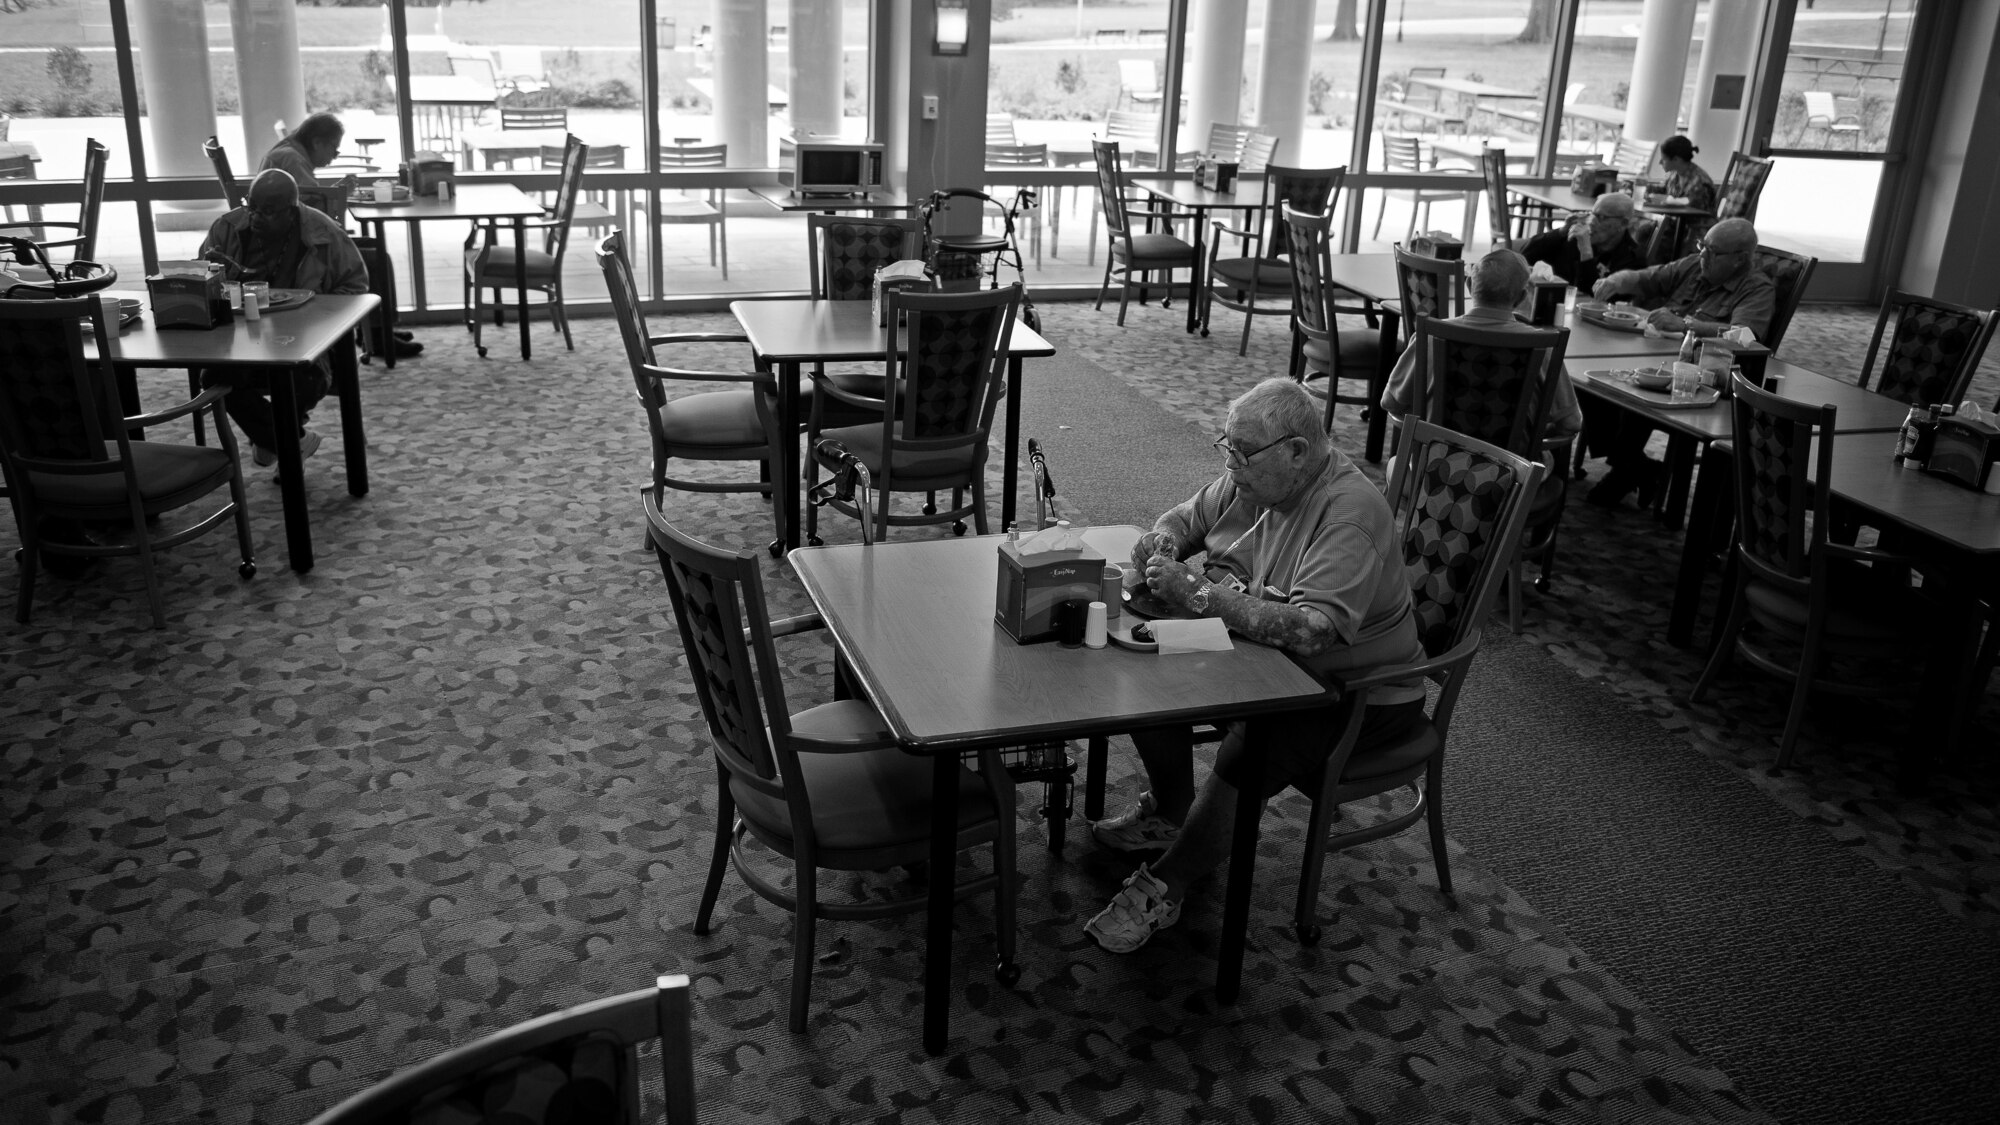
<point x="275" y="239"/>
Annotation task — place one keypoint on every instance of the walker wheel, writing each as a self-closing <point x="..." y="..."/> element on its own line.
<point x="1309" y="935"/>
<point x="247" y="569"/>
<point x="777" y="548"/>
<point x="482" y="352"/>
<point x="1007" y="973"/>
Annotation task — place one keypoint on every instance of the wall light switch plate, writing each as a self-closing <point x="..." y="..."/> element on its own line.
<point x="930" y="107"/>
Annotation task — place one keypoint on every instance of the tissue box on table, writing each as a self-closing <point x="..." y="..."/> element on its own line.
<point x="910" y="273"/>
<point x="1032" y="586"/>
<point x="187" y="295"/>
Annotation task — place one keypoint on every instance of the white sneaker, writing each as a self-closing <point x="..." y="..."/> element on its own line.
<point x="1139" y="830"/>
<point x="308" y="444"/>
<point x="1134" y="915"/>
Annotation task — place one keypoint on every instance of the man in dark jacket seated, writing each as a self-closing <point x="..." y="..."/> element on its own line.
<point x="1591" y="246"/>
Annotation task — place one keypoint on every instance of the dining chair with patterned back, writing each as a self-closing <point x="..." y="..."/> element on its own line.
<point x="1830" y="603"/>
<point x="1318" y="346"/>
<point x="1132" y="251"/>
<point x="1400" y="155"/>
<point x="844" y="252"/>
<point x="83" y="243"/>
<point x="1742" y="186"/>
<point x="232" y="190"/>
<point x="827" y="788"/>
<point x="703" y="206"/>
<point x="489" y="261"/>
<point x="1427" y="286"/>
<point x="581" y="1063"/>
<point x="70" y="459"/>
<point x="739" y="423"/>
<point x="1934" y="352"/>
<point x="1260" y="273"/>
<point x="1789" y="273"/>
<point x="933" y="434"/>
<point x="1463" y="508"/>
<point x="1499" y="386"/>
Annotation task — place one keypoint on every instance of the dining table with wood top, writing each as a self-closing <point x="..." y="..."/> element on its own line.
<point x="913" y="626"/>
<point x="788" y="333"/>
<point x="282" y="341"/>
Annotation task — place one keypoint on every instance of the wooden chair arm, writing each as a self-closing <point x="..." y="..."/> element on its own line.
<point x="682" y="374"/>
<point x="823" y="384"/>
<point x="209" y="396"/>
<point x="1435" y="668"/>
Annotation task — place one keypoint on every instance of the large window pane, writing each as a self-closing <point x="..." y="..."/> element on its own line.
<point x="59" y="89"/>
<point x="1842" y="73"/>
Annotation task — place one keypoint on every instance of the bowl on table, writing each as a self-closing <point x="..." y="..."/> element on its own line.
<point x="1621" y="318"/>
<point x="1652" y="378"/>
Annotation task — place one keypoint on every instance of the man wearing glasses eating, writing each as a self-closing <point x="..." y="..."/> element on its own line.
<point x="1706" y="292"/>
<point x="1292" y="547"/>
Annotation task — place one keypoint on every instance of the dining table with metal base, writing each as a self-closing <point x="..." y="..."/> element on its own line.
<point x="787" y="334"/>
<point x="913" y="627"/>
<point x="282" y="341"/>
<point x="470" y="202"/>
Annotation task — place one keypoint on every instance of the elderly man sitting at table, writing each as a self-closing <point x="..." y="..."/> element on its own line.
<point x="1499" y="283"/>
<point x="1592" y="245"/>
<point x="1706" y="292"/>
<point x="275" y="239"/>
<point x="307" y="149"/>
<point x="1300" y="552"/>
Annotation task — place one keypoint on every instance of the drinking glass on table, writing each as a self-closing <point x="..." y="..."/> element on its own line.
<point x="1686" y="381"/>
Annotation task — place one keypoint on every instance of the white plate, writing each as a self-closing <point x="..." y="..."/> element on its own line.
<point x="1123" y="638"/>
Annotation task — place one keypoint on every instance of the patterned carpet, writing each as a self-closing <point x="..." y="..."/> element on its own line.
<point x="324" y="825"/>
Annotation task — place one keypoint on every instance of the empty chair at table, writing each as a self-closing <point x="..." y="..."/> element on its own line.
<point x="1933" y="352"/>
<point x="844" y="253"/>
<point x="736" y="420"/>
<point x="1133" y="253"/>
<point x="489" y="260"/>
<point x="827" y="788"/>
<point x="1839" y="618"/>
<point x="1405" y="155"/>
<point x="69" y="461"/>
<point x="1319" y="347"/>
<point x="1138" y="83"/>
<point x="933" y="434"/>
<point x="1257" y="281"/>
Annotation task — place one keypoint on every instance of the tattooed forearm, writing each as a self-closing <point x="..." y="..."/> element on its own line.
<point x="1295" y="628"/>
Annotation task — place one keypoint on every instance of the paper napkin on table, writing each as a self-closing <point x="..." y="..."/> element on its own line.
<point x="1203" y="634"/>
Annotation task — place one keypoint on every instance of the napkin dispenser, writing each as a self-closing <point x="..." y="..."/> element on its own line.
<point x="1545" y="301"/>
<point x="187" y="295"/>
<point x="1032" y="586"/>
<point x="1218" y="175"/>
<point x="1442" y="245"/>
<point x="910" y="273"/>
<point x="1964" y="450"/>
<point x="1593" y="180"/>
<point x="426" y="170"/>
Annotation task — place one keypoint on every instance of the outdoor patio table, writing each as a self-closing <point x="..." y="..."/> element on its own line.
<point x="912" y="623"/>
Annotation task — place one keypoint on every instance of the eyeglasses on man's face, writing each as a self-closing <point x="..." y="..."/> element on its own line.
<point x="1241" y="457"/>
<point x="1707" y="249"/>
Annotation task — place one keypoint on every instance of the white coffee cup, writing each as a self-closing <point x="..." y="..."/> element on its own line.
<point x="385" y="191"/>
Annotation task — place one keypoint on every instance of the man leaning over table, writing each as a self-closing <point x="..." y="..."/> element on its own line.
<point x="301" y="154"/>
<point x="1499" y="282"/>
<point x="276" y="239"/>
<point x="1592" y="245"/>
<point x="1300" y="553"/>
<point x="1717" y="286"/>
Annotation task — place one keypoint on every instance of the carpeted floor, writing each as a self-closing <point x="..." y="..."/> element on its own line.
<point x="324" y="825"/>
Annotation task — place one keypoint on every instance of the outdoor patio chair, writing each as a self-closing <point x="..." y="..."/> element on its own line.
<point x="707" y="207"/>
<point x="1823" y="112"/>
<point x="1405" y="154"/>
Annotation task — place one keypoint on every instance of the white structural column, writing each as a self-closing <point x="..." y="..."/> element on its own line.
<point x="1282" y="70"/>
<point x="818" y="81"/>
<point x="1659" y="69"/>
<point x="1214" y="76"/>
<point x="742" y="81"/>
<point x="270" y="85"/>
<point x="172" y="40"/>
<point x="1728" y="50"/>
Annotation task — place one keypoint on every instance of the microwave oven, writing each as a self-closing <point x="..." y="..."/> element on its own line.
<point x="829" y="167"/>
